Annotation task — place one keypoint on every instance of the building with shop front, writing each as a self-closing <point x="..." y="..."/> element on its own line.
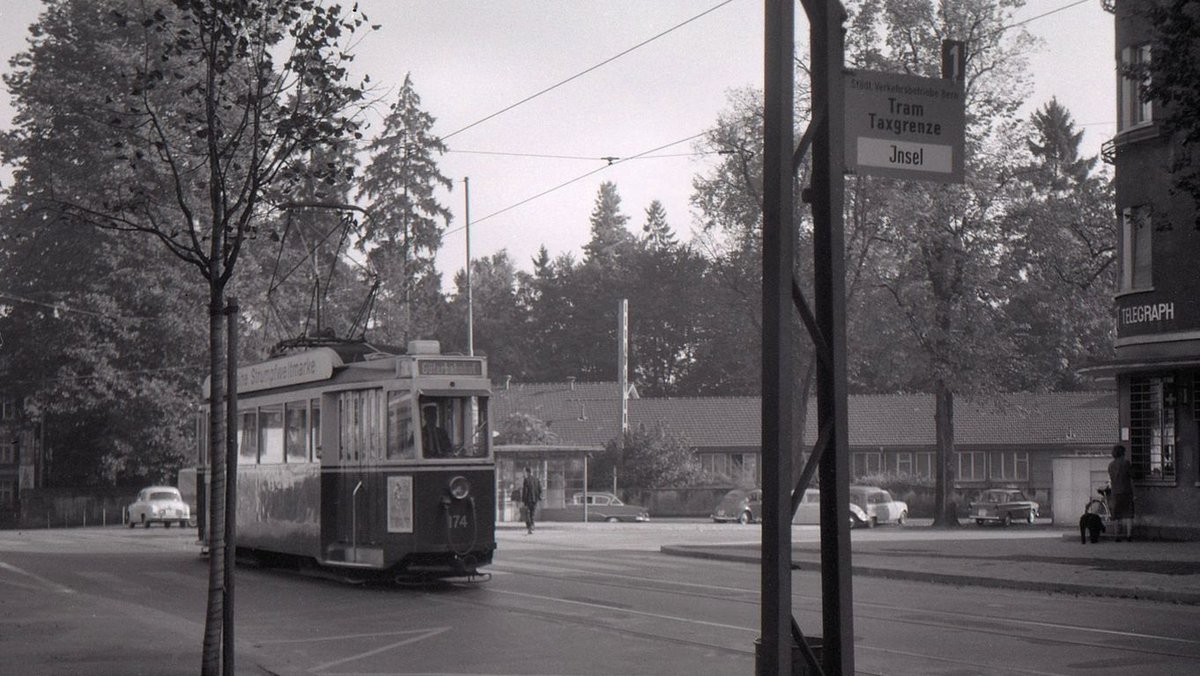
<point x="1157" y="302"/>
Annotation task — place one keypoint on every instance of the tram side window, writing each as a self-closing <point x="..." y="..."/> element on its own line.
<point x="248" y="438"/>
<point x="295" y="440"/>
<point x="270" y="434"/>
<point x="400" y="443"/>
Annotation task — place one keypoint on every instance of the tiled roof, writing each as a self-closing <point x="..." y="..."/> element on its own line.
<point x="579" y="413"/>
<point x="890" y="420"/>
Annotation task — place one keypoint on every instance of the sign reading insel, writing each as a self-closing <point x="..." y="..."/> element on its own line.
<point x="903" y="126"/>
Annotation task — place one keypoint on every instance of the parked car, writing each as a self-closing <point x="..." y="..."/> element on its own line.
<point x="875" y="506"/>
<point x="1003" y="505"/>
<point x="869" y="506"/>
<point x="740" y="504"/>
<point x="159" y="504"/>
<point x="600" y="507"/>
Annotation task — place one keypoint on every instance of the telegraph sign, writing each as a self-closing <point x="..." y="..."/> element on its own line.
<point x="903" y="126"/>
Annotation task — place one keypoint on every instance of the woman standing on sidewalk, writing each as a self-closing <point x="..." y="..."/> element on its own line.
<point x="1120" y="478"/>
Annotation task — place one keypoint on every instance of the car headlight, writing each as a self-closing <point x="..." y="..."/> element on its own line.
<point x="460" y="487"/>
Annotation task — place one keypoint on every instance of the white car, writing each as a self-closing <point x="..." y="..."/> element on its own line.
<point x="869" y="506"/>
<point x="159" y="504"/>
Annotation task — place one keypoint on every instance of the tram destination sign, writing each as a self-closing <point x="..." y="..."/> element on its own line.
<point x="903" y="126"/>
<point x="450" y="367"/>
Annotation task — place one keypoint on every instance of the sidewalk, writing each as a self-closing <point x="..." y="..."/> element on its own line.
<point x="1158" y="571"/>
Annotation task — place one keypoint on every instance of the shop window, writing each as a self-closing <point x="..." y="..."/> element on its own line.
<point x="8" y="494"/>
<point x="1152" y="428"/>
<point x="8" y="453"/>
<point x="8" y="409"/>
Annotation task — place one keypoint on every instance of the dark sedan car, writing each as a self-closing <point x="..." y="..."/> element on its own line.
<point x="740" y="505"/>
<point x="1004" y="506"/>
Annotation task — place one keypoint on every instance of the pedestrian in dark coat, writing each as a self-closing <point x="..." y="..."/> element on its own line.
<point x="1120" y="500"/>
<point x="531" y="495"/>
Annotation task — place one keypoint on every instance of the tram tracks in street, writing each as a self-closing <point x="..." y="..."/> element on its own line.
<point x="999" y="624"/>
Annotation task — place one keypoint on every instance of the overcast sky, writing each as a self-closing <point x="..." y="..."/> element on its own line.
<point x="469" y="60"/>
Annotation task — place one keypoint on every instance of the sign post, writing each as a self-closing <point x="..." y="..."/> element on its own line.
<point x="905" y="127"/>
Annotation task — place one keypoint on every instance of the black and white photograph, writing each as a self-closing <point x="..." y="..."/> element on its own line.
<point x="608" y="338"/>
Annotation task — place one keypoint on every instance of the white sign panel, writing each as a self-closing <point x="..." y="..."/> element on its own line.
<point x="902" y="126"/>
<point x="400" y="504"/>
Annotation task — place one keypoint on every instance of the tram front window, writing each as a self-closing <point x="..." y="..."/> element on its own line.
<point x="453" y="427"/>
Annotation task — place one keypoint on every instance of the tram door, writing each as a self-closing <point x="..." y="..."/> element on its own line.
<point x="353" y="500"/>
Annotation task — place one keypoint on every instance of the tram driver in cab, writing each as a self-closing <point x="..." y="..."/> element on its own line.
<point x="434" y="438"/>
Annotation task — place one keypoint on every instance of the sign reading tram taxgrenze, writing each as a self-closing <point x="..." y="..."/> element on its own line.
<point x="903" y="126"/>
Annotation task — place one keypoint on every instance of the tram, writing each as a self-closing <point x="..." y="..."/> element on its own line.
<point x="357" y="457"/>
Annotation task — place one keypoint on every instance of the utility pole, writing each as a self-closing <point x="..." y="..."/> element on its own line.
<point x="470" y="299"/>
<point x="773" y="653"/>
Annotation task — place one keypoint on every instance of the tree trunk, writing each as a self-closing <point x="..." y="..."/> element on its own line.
<point x="211" y="663"/>
<point x="945" y="511"/>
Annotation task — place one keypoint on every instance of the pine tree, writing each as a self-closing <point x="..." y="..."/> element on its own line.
<point x="610" y="238"/>
<point x="404" y="232"/>
<point x="657" y="233"/>
<point x="1056" y="147"/>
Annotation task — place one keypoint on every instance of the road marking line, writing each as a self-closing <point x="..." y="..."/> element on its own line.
<point x="317" y="639"/>
<point x="424" y="635"/>
<point x="627" y="611"/>
<point x="53" y="586"/>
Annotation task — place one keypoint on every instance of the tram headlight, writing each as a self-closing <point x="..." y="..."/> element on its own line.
<point x="460" y="487"/>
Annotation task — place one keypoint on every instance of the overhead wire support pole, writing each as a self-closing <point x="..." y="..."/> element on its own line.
<point x="826" y="20"/>
<point x="774" y="650"/>
<point x="470" y="297"/>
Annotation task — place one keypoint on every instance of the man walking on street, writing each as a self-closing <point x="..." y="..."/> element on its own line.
<point x="531" y="495"/>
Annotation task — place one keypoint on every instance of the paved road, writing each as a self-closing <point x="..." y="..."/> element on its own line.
<point x="569" y="599"/>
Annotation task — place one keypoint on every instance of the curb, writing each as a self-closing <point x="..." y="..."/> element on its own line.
<point x="1162" y="596"/>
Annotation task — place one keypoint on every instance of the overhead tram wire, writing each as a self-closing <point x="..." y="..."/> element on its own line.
<point x="613" y="162"/>
<point x="1045" y="14"/>
<point x="642" y="155"/>
<point x="590" y="158"/>
<point x="581" y="73"/>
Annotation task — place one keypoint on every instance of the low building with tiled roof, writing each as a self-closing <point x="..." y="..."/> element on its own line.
<point x="1010" y="440"/>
